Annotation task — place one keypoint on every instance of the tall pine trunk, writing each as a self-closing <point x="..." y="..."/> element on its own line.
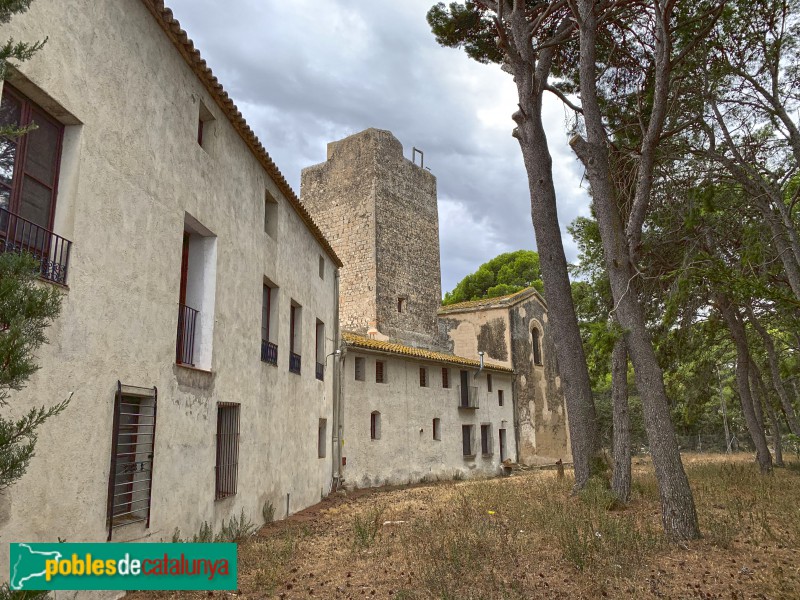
<point x="621" y="476"/>
<point x="678" y="513"/>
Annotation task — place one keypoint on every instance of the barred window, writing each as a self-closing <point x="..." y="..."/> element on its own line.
<point x="380" y="371"/>
<point x="423" y="377"/>
<point x="227" y="449"/>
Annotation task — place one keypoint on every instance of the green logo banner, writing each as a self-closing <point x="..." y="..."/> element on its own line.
<point x="122" y="567"/>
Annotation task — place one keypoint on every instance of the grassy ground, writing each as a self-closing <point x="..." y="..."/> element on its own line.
<point x="526" y="536"/>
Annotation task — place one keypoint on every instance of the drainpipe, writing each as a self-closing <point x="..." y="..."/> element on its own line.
<point x="336" y="426"/>
<point x="481" y="367"/>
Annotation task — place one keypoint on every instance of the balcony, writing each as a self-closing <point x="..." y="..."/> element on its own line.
<point x="467" y="396"/>
<point x="51" y="251"/>
<point x="294" y="363"/>
<point x="320" y="371"/>
<point x="269" y="352"/>
<point x="187" y="327"/>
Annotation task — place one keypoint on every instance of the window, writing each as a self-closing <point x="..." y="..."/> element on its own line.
<point x="467" y="394"/>
<point x="269" y="350"/>
<point x="466" y="440"/>
<point x="401" y="305"/>
<point x="445" y="377"/>
<point x="322" y="438"/>
<point x="380" y="371"/>
<point x="423" y="377"/>
<point x="320" y="348"/>
<point x="360" y="368"/>
<point x="205" y="127"/>
<point x="537" y="346"/>
<point x="29" y="164"/>
<point x="437" y="429"/>
<point x="132" y="443"/>
<point x="295" y="335"/>
<point x="227" y="449"/>
<point x="488" y="382"/>
<point x="375" y="425"/>
<point x="321" y="268"/>
<point x="503" y="451"/>
<point x="270" y="215"/>
<point x="486" y="440"/>
<point x="500" y="397"/>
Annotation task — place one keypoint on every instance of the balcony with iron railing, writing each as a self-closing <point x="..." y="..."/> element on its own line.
<point x="51" y="251"/>
<point x="294" y="363"/>
<point x="269" y="352"/>
<point x="467" y="396"/>
<point x="187" y="327"/>
<point x="320" y="371"/>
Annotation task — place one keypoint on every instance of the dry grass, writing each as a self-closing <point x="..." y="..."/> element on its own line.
<point x="528" y="537"/>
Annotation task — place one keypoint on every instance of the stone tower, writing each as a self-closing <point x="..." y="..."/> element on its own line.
<point x="379" y="212"/>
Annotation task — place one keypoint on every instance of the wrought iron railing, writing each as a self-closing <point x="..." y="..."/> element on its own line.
<point x="269" y="352"/>
<point x="187" y="326"/>
<point x="51" y="251"/>
<point x="320" y="371"/>
<point x="467" y="396"/>
<point x="294" y="363"/>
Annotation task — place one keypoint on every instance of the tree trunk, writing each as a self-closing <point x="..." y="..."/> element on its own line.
<point x="570" y="355"/>
<point x="678" y="513"/>
<point x="736" y="328"/>
<point x="621" y="477"/>
<point x="774" y="368"/>
<point x="774" y="422"/>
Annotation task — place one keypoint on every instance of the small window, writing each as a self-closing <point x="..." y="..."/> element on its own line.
<point x="401" y="305"/>
<point x="360" y="368"/>
<point x="320" y="348"/>
<point x="486" y="440"/>
<point x="466" y="440"/>
<point x="437" y="429"/>
<point x="227" y="449"/>
<point x="321" y="268"/>
<point x="205" y="124"/>
<point x="537" y="346"/>
<point x="488" y="382"/>
<point x="270" y="215"/>
<point x="500" y="397"/>
<point x="375" y="425"/>
<point x="322" y="438"/>
<point x="380" y="371"/>
<point x="423" y="377"/>
<point x="295" y="336"/>
<point x="503" y="450"/>
<point x="269" y="350"/>
<point x="445" y="377"/>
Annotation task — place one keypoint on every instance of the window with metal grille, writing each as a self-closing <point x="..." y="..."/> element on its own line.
<point x="500" y="397"/>
<point x="227" y="449"/>
<point x="488" y="382"/>
<point x="486" y="440"/>
<point x="132" y="442"/>
<point x="423" y="377"/>
<point x="537" y="346"/>
<point x="445" y="377"/>
<point x="466" y="440"/>
<point x="380" y="371"/>
<point x="359" y="368"/>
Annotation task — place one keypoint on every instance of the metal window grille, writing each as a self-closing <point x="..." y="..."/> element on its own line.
<point x="294" y="363"/>
<point x="133" y="440"/>
<point x="187" y="325"/>
<point x="445" y="377"/>
<point x="320" y="371"/>
<point x="227" y="449"/>
<point x="423" y="377"/>
<point x="269" y="352"/>
<point x="380" y="374"/>
<point x="51" y="251"/>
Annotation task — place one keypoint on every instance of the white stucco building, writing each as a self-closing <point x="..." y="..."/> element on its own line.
<point x="200" y="299"/>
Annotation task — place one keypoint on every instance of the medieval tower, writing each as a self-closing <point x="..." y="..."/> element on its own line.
<point x="379" y="211"/>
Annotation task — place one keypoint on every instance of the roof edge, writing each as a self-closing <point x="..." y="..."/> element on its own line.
<point x="179" y="38"/>
<point x="491" y="303"/>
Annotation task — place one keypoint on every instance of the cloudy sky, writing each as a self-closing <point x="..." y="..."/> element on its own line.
<point x="306" y="72"/>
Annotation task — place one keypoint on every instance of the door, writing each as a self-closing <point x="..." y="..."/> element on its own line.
<point x="502" y="435"/>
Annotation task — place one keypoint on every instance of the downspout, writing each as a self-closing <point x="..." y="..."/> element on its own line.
<point x="338" y="356"/>
<point x="481" y="367"/>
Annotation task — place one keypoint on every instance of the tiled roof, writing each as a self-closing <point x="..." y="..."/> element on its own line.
<point x="359" y="341"/>
<point x="191" y="55"/>
<point x="499" y="301"/>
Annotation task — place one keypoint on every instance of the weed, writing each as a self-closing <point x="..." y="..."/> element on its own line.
<point x="268" y="512"/>
<point x="366" y="527"/>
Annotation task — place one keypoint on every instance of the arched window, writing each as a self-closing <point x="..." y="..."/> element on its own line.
<point x="537" y="346"/>
<point x="375" y="425"/>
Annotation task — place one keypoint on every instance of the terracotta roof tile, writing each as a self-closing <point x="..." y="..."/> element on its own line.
<point x="191" y="55"/>
<point x="359" y="341"/>
<point x="491" y="302"/>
